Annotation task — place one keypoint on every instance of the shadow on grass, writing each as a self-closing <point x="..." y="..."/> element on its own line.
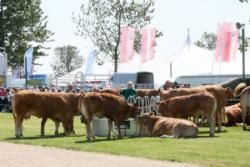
<point x="41" y="137"/>
<point x="104" y="139"/>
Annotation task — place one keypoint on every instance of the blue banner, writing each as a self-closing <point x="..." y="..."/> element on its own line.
<point x="28" y="57"/>
<point x="90" y="62"/>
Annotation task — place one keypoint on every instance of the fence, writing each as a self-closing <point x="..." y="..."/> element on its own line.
<point x="145" y="104"/>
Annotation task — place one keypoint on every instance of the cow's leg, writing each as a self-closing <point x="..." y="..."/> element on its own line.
<point x="219" y="117"/>
<point x="57" y="124"/>
<point x="119" y="130"/>
<point x="43" y="122"/>
<point x="244" y="111"/>
<point x="88" y="129"/>
<point x="19" y="122"/>
<point x="211" y="124"/>
<point x="110" y="128"/>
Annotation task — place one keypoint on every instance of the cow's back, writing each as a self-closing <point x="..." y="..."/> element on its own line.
<point x="188" y="105"/>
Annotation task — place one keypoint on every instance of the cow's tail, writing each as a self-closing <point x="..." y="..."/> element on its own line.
<point x="13" y="109"/>
<point x="84" y="115"/>
<point x="224" y="116"/>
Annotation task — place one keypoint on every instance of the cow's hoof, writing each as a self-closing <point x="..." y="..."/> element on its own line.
<point x="244" y="128"/>
<point x="211" y="135"/>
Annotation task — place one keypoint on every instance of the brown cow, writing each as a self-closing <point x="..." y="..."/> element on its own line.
<point x="113" y="107"/>
<point x="112" y="91"/>
<point x="234" y="114"/>
<point x="238" y="89"/>
<point x="190" y="105"/>
<point x="60" y="107"/>
<point x="148" y="92"/>
<point x="220" y="94"/>
<point x="150" y="125"/>
<point x="245" y="104"/>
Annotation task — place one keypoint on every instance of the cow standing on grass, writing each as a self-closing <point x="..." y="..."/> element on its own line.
<point x="245" y="104"/>
<point x="220" y="94"/>
<point x="113" y="107"/>
<point x="158" y="126"/>
<point x="60" y="107"/>
<point x="190" y="106"/>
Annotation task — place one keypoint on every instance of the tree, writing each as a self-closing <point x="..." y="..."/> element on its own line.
<point x="23" y="25"/>
<point x="243" y="1"/>
<point x="66" y="59"/>
<point x="101" y="21"/>
<point x="208" y="41"/>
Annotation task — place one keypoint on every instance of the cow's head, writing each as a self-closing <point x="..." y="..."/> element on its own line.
<point x="143" y="119"/>
<point x="163" y="108"/>
<point x="229" y="93"/>
<point x="132" y="110"/>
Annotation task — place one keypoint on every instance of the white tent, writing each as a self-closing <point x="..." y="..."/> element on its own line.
<point x="191" y="59"/>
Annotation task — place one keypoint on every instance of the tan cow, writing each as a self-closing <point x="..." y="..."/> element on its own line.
<point x="220" y="94"/>
<point x="234" y="114"/>
<point x="150" y="125"/>
<point x="238" y="89"/>
<point x="245" y="104"/>
<point x="112" y="91"/>
<point x="60" y="107"/>
<point x="189" y="106"/>
<point x="148" y="92"/>
<point x="113" y="107"/>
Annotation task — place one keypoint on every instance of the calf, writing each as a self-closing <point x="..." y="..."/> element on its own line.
<point x="150" y="125"/>
<point x="113" y="107"/>
<point x="189" y="106"/>
<point x="60" y="107"/>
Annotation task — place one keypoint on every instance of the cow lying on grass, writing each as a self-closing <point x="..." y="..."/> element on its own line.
<point x="234" y="115"/>
<point x="108" y="105"/>
<point x="60" y="107"/>
<point x="190" y="106"/>
<point x="150" y="125"/>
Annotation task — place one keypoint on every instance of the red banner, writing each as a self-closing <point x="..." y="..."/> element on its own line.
<point x="227" y="42"/>
<point x="126" y="46"/>
<point x="147" y="44"/>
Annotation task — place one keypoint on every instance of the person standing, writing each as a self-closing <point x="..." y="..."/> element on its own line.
<point x="129" y="91"/>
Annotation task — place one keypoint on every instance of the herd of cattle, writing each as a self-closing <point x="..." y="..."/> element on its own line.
<point x="175" y="109"/>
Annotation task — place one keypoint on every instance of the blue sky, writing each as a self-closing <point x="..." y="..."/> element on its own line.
<point x="172" y="17"/>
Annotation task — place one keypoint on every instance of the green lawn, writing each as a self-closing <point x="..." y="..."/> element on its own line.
<point x="229" y="148"/>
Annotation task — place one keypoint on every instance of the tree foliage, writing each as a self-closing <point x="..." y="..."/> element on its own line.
<point x="101" y="21"/>
<point x="66" y="59"/>
<point x="208" y="41"/>
<point x="23" y="25"/>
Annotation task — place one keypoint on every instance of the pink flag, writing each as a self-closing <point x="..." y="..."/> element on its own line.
<point x="227" y="42"/>
<point x="147" y="44"/>
<point x="126" y="46"/>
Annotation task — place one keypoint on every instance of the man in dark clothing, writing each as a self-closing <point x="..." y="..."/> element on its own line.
<point x="129" y="91"/>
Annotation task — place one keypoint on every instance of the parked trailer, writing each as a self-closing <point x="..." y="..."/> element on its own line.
<point x="196" y="80"/>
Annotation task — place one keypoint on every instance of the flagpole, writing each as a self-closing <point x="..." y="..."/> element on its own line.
<point x="171" y="70"/>
<point x="26" y="75"/>
<point x="242" y="27"/>
<point x="243" y="53"/>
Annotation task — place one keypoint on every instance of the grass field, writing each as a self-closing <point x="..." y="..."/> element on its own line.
<point x="229" y="148"/>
